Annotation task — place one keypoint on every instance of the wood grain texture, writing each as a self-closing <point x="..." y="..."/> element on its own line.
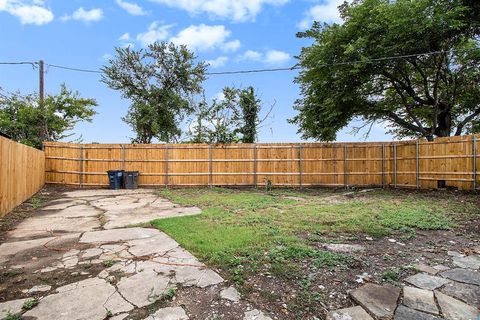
<point x="22" y="173"/>
<point x="372" y="164"/>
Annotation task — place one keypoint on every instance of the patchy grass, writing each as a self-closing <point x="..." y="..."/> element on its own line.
<point x="276" y="234"/>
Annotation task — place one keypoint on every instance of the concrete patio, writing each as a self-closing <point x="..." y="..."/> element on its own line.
<point x="85" y="255"/>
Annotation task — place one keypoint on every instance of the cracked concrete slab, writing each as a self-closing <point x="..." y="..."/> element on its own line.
<point x="87" y="299"/>
<point x="11" y="307"/>
<point x="143" y="288"/>
<point x="170" y="313"/>
<point x="117" y="235"/>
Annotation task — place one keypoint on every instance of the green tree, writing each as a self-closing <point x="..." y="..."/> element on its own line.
<point x="21" y="118"/>
<point x="346" y="76"/>
<point x="232" y="119"/>
<point x="160" y="80"/>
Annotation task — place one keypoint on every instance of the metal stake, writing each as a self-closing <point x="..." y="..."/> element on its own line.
<point x="417" y="164"/>
<point x="474" y="163"/>
<point x="300" y="165"/>
<point x="211" y="169"/>
<point x="255" y="182"/>
<point x="345" y="166"/>
<point x="123" y="157"/>
<point x="81" y="167"/>
<point x="395" y="165"/>
<point x="383" y="166"/>
<point x="166" y="166"/>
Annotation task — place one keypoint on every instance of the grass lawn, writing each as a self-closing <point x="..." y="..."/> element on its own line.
<point x="279" y="235"/>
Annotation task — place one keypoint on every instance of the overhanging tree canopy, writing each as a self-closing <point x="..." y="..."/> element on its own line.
<point x="429" y="88"/>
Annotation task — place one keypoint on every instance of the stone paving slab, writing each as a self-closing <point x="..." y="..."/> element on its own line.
<point x="380" y="301"/>
<point x="468" y="262"/>
<point x="466" y="292"/>
<point x="419" y="299"/>
<point x="353" y="313"/>
<point x="404" y="313"/>
<point x="11" y="307"/>
<point x="426" y="281"/>
<point x="171" y="313"/>
<point x="454" y="309"/>
<point x="87" y="299"/>
<point x="463" y="275"/>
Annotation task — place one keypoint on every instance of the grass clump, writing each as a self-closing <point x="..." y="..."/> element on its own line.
<point x="30" y="304"/>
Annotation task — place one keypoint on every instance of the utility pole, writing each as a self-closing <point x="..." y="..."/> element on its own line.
<point x="41" y="101"/>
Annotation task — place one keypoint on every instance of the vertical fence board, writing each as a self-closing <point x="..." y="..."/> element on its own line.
<point x="22" y="173"/>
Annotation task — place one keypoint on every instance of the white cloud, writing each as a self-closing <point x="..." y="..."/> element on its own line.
<point x="251" y="55"/>
<point x="203" y="37"/>
<point x="29" y="12"/>
<point x="326" y="12"/>
<point x="155" y="32"/>
<point x="271" y="57"/>
<point x="232" y="45"/>
<point x="275" y="57"/>
<point x="125" y="37"/>
<point x="218" y="63"/>
<point x="235" y="10"/>
<point x="85" y="15"/>
<point x="132" y="8"/>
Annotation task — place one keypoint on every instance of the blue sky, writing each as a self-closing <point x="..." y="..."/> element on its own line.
<point x="229" y="34"/>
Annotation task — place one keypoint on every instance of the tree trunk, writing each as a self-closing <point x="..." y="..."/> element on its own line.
<point x="444" y="124"/>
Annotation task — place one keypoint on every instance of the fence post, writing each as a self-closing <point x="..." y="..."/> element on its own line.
<point x="255" y="182"/>
<point x="383" y="166"/>
<point x="81" y="167"/>
<point x="474" y="163"/>
<point x="166" y="166"/>
<point x="417" y="164"/>
<point x="395" y="165"/>
<point x="300" y="166"/>
<point x="210" y="176"/>
<point x="123" y="157"/>
<point x="345" y="166"/>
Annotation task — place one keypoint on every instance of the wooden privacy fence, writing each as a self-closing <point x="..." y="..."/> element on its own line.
<point x="22" y="173"/>
<point x="419" y="164"/>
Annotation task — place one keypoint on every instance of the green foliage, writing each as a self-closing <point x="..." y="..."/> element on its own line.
<point x="109" y="314"/>
<point x="160" y="80"/>
<point x="21" y="118"/>
<point x="417" y="95"/>
<point x="11" y="316"/>
<point x="235" y="118"/>
<point x="108" y="263"/>
<point x="30" y="304"/>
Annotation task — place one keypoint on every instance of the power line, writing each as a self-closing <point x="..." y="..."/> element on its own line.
<point x="73" y="69"/>
<point x="33" y="64"/>
<point x="295" y="67"/>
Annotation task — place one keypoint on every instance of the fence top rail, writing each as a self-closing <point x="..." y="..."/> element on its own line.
<point x="350" y="145"/>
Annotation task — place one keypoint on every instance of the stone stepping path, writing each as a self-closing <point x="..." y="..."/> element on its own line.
<point x="139" y="266"/>
<point x="437" y="292"/>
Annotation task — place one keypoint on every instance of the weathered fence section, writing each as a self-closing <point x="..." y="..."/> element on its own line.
<point x="22" y="173"/>
<point x="447" y="162"/>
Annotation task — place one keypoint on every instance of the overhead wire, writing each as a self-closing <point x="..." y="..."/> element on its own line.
<point x="248" y="71"/>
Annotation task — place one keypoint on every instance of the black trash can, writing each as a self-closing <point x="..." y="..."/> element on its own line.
<point x="130" y="179"/>
<point x="115" y="177"/>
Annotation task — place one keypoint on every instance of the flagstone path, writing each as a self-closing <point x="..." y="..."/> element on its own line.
<point x="78" y="259"/>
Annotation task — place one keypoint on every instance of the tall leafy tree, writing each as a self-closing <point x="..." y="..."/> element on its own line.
<point x="160" y="81"/>
<point x="232" y="119"/>
<point x="430" y="86"/>
<point x="21" y="118"/>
